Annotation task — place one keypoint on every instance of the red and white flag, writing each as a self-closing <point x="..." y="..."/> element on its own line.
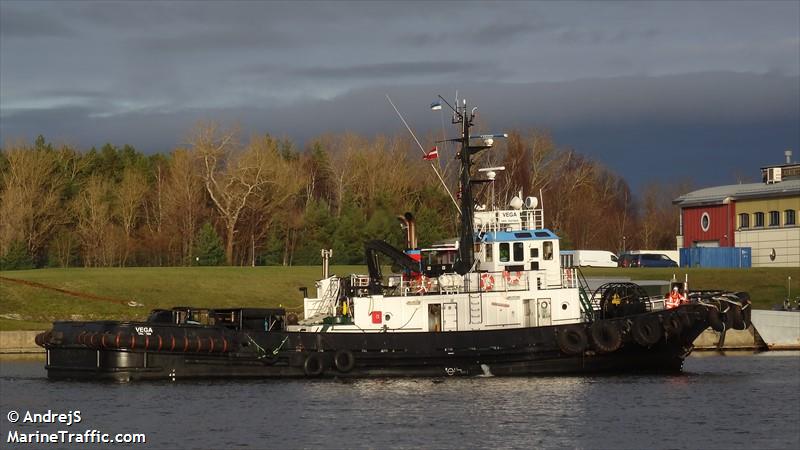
<point x="431" y="155"/>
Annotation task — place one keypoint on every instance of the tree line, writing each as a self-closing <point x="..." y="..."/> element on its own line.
<point x="226" y="199"/>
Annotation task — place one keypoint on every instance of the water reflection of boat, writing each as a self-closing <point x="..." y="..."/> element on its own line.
<point x="494" y="301"/>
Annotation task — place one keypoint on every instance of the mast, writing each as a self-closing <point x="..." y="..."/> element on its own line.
<point x="466" y="252"/>
<point x="466" y="240"/>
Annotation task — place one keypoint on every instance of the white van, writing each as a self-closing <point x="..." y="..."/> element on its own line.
<point x="588" y="258"/>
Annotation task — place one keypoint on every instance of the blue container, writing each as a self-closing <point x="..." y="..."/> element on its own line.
<point x="724" y="257"/>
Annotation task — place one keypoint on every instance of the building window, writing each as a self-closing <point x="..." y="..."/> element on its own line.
<point x="519" y="251"/>
<point x="505" y="253"/>
<point x="774" y="218"/>
<point x="759" y="219"/>
<point x="705" y="221"/>
<point x="744" y="220"/>
<point x="789" y="217"/>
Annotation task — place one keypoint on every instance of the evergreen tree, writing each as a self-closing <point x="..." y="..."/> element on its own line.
<point x="208" y="250"/>
<point x="17" y="257"/>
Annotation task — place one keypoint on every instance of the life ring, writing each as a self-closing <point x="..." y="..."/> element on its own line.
<point x="571" y="340"/>
<point x="714" y="320"/>
<point x="344" y="361"/>
<point x="673" y="325"/>
<point x="512" y="278"/>
<point x="313" y="366"/>
<point x="606" y="337"/>
<point x="487" y="282"/>
<point x="646" y="330"/>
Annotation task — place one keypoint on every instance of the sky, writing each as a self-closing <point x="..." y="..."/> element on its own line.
<point x="706" y="92"/>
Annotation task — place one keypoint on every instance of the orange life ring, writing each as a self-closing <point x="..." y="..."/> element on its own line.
<point x="487" y="282"/>
<point x="512" y="278"/>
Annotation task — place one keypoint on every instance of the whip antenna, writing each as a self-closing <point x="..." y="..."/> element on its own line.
<point x="435" y="170"/>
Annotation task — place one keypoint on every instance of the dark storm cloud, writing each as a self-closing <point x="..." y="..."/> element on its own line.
<point x="395" y="69"/>
<point x="214" y="40"/>
<point x="641" y="127"/>
<point x="482" y="35"/>
<point x="31" y="24"/>
<point x="613" y="79"/>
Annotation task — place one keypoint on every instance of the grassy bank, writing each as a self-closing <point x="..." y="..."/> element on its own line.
<point x="106" y="292"/>
<point x="32" y="307"/>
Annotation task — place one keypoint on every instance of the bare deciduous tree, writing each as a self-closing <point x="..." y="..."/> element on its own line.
<point x="233" y="174"/>
<point x="30" y="202"/>
<point x="130" y="196"/>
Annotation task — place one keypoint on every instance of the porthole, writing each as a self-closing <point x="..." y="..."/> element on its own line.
<point x="705" y="221"/>
<point x="387" y="317"/>
<point x="564" y="306"/>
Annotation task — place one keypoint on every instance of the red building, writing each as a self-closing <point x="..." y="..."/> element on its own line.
<point x="711" y="225"/>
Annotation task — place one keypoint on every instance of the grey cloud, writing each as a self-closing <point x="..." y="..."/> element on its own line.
<point x="212" y="40"/>
<point x="19" y="23"/>
<point x="481" y="36"/>
<point x="673" y="126"/>
<point x="393" y="69"/>
<point x="583" y="36"/>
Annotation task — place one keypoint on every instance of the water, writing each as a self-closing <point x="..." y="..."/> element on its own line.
<point x="733" y="401"/>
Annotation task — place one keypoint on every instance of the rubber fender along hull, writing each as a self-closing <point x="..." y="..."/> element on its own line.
<point x="509" y="352"/>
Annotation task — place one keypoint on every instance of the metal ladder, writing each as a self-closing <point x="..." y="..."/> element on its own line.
<point x="475" y="308"/>
<point x="585" y="294"/>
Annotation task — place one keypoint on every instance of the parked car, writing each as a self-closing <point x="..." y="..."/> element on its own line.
<point x="645" y="260"/>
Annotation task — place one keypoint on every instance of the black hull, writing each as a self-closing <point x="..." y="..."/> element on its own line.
<point x="207" y="352"/>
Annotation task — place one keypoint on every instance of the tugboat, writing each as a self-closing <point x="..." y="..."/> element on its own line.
<point x="494" y="301"/>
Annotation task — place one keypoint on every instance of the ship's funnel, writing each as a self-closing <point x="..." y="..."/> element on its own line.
<point x="408" y="224"/>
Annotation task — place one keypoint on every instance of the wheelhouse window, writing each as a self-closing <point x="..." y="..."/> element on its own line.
<point x="774" y="218"/>
<point x="789" y="217"/>
<point x="489" y="252"/>
<point x="759" y="219"/>
<point x="534" y="252"/>
<point x="505" y="252"/>
<point x="744" y="220"/>
<point x="547" y="250"/>
<point x="519" y="251"/>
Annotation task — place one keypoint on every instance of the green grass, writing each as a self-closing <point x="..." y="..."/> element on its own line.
<point x="28" y="307"/>
<point x="24" y="307"/>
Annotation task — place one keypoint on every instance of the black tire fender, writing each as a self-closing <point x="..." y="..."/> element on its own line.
<point x="715" y="320"/>
<point x="606" y="336"/>
<point x="344" y="361"/>
<point x="313" y="366"/>
<point x="673" y="324"/>
<point x="646" y="330"/>
<point x="737" y="318"/>
<point x="571" y="340"/>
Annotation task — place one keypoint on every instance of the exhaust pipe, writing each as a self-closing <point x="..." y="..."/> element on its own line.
<point x="408" y="224"/>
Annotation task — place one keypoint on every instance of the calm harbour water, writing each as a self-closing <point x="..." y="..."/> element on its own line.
<point x="721" y="401"/>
